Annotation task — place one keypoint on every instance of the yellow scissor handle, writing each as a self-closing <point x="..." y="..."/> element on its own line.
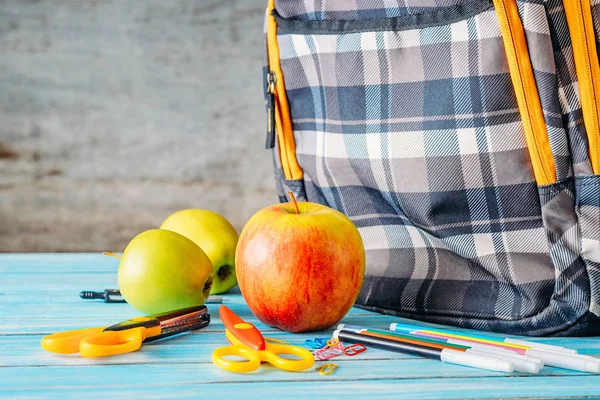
<point x="273" y="352"/>
<point x="252" y="356"/>
<point x="109" y="343"/>
<point x="67" y="342"/>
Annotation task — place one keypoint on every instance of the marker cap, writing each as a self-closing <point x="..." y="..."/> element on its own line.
<point x="496" y="350"/>
<point x="519" y="364"/>
<point x="568" y="361"/>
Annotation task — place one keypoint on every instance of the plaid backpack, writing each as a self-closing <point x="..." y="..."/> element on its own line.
<point x="462" y="138"/>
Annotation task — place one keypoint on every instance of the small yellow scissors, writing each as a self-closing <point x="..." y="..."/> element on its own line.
<point x="126" y="336"/>
<point x="247" y="342"/>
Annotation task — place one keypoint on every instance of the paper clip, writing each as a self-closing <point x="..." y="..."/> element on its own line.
<point x="268" y="339"/>
<point x="316" y="343"/>
<point x="354" y="349"/>
<point x="327" y="353"/>
<point x="326" y="369"/>
<point x="332" y="342"/>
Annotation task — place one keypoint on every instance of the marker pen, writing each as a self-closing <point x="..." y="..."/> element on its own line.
<point x="515" y="343"/>
<point x="446" y="355"/>
<point x="520" y="363"/>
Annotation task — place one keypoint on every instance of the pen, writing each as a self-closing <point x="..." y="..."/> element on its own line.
<point x="114" y="296"/>
<point x="446" y="355"/>
<point x="520" y="362"/>
<point x="554" y="357"/>
<point x="516" y="343"/>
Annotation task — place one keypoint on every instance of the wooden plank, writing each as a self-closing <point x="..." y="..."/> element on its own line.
<point x="326" y="387"/>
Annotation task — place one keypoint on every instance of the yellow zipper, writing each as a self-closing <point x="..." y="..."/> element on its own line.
<point x="283" y="120"/>
<point x="528" y="99"/>
<point x="581" y="28"/>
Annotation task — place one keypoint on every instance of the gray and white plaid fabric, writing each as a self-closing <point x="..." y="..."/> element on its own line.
<point x="415" y="134"/>
<point x="348" y="10"/>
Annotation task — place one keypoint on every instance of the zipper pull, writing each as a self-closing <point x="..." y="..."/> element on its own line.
<point x="271" y="79"/>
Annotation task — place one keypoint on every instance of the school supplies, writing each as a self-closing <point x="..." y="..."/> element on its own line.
<point x="114" y="296"/>
<point x="126" y="336"/>
<point x="555" y="357"/>
<point x="565" y="358"/>
<point x="326" y="369"/>
<point x="335" y="348"/>
<point x="247" y="342"/>
<point x="316" y="343"/>
<point x="577" y="362"/>
<point x="520" y="363"/>
<point x="354" y="349"/>
<point x="515" y="343"/>
<point x="109" y="296"/>
<point x="443" y="354"/>
<point x="329" y="352"/>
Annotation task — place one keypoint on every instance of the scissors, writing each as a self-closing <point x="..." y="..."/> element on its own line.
<point x="248" y="343"/>
<point x="126" y="336"/>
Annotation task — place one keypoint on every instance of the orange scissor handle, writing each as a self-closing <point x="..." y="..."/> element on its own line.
<point x="67" y="342"/>
<point x="109" y="343"/>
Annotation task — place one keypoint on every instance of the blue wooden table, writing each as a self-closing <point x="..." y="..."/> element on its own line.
<point x="39" y="294"/>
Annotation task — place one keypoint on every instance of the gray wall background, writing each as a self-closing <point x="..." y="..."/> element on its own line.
<point x="116" y="113"/>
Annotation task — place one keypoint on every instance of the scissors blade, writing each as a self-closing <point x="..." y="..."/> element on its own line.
<point x="243" y="331"/>
<point x="191" y="323"/>
<point x="180" y="314"/>
<point x="162" y="325"/>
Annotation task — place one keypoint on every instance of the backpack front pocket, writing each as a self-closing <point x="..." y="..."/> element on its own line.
<point x="426" y="130"/>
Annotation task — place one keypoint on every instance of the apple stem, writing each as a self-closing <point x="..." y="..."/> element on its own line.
<point x="294" y="201"/>
<point x="108" y="253"/>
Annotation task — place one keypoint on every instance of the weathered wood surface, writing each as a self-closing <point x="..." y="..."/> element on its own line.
<point x="115" y="113"/>
<point x="39" y="295"/>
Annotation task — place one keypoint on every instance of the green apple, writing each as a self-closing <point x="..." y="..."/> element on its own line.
<point x="162" y="271"/>
<point x="215" y="235"/>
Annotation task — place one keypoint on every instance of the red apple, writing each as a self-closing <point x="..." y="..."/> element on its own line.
<point x="300" y="269"/>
